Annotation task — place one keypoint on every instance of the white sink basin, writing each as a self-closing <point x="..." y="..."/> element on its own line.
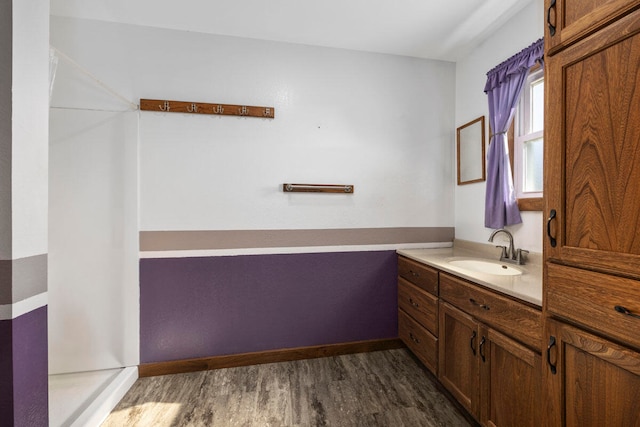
<point x="487" y="267"/>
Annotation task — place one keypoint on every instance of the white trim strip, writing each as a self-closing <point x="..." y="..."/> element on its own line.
<point x="17" y="309"/>
<point x="292" y="250"/>
<point x="99" y="409"/>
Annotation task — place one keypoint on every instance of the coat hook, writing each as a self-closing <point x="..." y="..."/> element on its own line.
<point x="219" y="109"/>
<point x="165" y="107"/>
<point x="193" y="109"/>
<point x="243" y="111"/>
<point x="267" y="112"/>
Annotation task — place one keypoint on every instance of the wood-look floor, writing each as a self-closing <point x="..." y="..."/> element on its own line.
<point x="383" y="388"/>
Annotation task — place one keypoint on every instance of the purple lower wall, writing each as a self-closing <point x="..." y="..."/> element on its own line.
<point x="24" y="370"/>
<point x="200" y="307"/>
<point x="6" y="370"/>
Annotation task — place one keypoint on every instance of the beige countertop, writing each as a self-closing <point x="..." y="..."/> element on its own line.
<point x="526" y="287"/>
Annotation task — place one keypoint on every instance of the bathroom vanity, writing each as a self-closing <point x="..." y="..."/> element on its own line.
<point x="476" y="323"/>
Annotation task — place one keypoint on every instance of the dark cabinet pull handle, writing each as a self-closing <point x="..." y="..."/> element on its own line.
<point x="623" y="310"/>
<point x="482" y="343"/>
<point x="552" y="28"/>
<point x="552" y="216"/>
<point x="483" y="306"/>
<point x="413" y="338"/>
<point x="413" y="303"/>
<point x="552" y="343"/>
<point x="414" y="274"/>
<point x="473" y="337"/>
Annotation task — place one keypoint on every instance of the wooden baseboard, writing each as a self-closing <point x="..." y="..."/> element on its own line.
<point x="271" y="356"/>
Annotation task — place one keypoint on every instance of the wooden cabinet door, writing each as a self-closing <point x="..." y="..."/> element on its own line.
<point x="458" y="362"/>
<point x="589" y="381"/>
<point x="592" y="150"/>
<point x="510" y="378"/>
<point x="567" y="21"/>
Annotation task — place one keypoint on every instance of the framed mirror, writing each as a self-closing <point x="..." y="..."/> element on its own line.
<point x="470" y="150"/>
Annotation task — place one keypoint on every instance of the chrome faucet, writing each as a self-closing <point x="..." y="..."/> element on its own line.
<point x="509" y="254"/>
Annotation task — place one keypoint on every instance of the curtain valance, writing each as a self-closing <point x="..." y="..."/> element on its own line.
<point x="518" y="63"/>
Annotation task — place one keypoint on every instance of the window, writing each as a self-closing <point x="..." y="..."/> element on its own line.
<point x="527" y="143"/>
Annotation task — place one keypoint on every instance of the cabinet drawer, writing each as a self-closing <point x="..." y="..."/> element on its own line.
<point x="511" y="317"/>
<point x="420" y="305"/>
<point x="420" y="341"/>
<point x="419" y="274"/>
<point x="591" y="298"/>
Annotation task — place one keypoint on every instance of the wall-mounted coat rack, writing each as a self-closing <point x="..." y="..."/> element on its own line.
<point x="317" y="188"/>
<point x="206" y="108"/>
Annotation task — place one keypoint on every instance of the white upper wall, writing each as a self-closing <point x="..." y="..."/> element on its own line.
<point x="423" y="29"/>
<point x="471" y="102"/>
<point x="29" y="118"/>
<point x="382" y="123"/>
<point x="6" y="38"/>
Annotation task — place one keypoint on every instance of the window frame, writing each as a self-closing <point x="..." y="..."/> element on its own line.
<point x="524" y="203"/>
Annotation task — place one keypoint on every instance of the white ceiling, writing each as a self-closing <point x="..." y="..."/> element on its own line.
<point x="436" y="29"/>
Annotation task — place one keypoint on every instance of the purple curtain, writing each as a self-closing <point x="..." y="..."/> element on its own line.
<point x="504" y="85"/>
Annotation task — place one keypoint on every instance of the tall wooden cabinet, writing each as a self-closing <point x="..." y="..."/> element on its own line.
<point x="592" y="137"/>
<point x="592" y="202"/>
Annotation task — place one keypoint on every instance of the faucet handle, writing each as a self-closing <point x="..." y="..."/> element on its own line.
<point x="504" y="254"/>
<point x="519" y="253"/>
